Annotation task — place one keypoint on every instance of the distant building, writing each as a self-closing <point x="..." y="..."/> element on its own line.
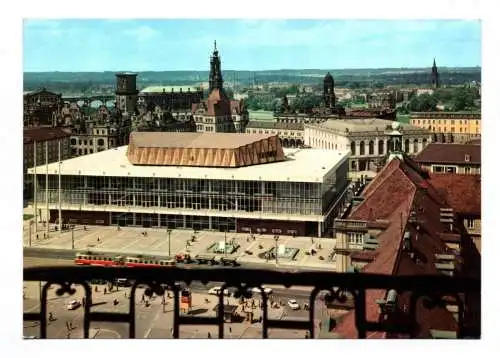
<point x="291" y="135"/>
<point x="40" y="107"/>
<point x="218" y="113"/>
<point x="368" y="140"/>
<point x="451" y="158"/>
<point x="47" y="141"/>
<point x="175" y="98"/>
<point x="449" y="127"/>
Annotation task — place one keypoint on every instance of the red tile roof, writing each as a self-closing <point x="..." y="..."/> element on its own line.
<point x="448" y="153"/>
<point x="463" y="192"/>
<point x="399" y="189"/>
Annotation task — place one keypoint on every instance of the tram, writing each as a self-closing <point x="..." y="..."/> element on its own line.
<point x="98" y="259"/>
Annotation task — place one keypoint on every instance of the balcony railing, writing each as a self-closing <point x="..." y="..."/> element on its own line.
<point x="435" y="290"/>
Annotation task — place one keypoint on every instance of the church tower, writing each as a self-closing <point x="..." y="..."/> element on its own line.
<point x="435" y="75"/>
<point x="215" y="79"/>
<point x="328" y="91"/>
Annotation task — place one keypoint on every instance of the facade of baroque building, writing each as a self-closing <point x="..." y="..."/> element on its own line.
<point x="174" y="98"/>
<point x="291" y="135"/>
<point x="449" y="127"/>
<point x="218" y="113"/>
<point x="368" y="140"/>
<point x="40" y="107"/>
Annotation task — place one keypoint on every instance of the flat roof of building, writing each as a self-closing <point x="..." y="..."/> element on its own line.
<point x="361" y="125"/>
<point x="301" y="165"/>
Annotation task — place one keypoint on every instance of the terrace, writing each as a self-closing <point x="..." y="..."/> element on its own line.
<point x="425" y="292"/>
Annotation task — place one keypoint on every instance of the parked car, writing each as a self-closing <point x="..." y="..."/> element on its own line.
<point x="267" y="290"/>
<point x="216" y="291"/>
<point x="293" y="304"/>
<point x="73" y="305"/>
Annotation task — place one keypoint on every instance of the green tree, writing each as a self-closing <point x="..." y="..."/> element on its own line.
<point x="463" y="99"/>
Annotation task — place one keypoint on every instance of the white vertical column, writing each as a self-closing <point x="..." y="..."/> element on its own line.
<point x="59" y="183"/>
<point x="236" y="195"/>
<point x="35" y="187"/>
<point x="47" y="185"/>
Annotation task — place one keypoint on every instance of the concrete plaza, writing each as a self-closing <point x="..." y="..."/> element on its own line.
<point x="157" y="242"/>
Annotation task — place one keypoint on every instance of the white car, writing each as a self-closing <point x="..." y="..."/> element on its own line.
<point x="216" y="291"/>
<point x="293" y="304"/>
<point x="73" y="305"/>
<point x="267" y="290"/>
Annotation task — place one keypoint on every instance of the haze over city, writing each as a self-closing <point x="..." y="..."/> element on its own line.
<point x="161" y="45"/>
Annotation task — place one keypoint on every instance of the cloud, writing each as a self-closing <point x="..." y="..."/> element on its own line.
<point x="141" y="33"/>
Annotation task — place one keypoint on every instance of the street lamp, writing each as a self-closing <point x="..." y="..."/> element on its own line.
<point x="29" y="238"/>
<point x="276" y="238"/>
<point x="169" y="231"/>
<point x="225" y="241"/>
<point x="72" y="237"/>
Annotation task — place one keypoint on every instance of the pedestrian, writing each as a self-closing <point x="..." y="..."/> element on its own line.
<point x="68" y="336"/>
<point x="37" y="236"/>
<point x="44" y="236"/>
<point x="142" y="299"/>
<point x="98" y="239"/>
<point x="209" y="335"/>
<point x="105" y="290"/>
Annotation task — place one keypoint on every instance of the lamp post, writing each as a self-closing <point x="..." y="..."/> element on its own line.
<point x="225" y="241"/>
<point x="169" y="231"/>
<point x="29" y="238"/>
<point x="276" y="238"/>
<point x="72" y="237"/>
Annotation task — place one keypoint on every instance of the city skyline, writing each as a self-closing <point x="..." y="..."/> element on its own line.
<point x="176" y="45"/>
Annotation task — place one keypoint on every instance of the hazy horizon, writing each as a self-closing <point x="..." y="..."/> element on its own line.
<point x="247" y="45"/>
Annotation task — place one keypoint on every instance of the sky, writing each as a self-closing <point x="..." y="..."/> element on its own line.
<point x="175" y="44"/>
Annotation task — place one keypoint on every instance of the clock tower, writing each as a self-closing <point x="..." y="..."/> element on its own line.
<point x="126" y="92"/>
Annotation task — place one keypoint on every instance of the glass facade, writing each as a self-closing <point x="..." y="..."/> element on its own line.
<point x="296" y="198"/>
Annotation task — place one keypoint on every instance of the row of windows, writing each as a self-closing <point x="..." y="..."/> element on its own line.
<point x="267" y="131"/>
<point x="100" y="142"/>
<point x="445" y="121"/>
<point x="452" y="129"/>
<point x="444" y="169"/>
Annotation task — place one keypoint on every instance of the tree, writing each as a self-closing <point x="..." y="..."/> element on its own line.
<point x="463" y="99"/>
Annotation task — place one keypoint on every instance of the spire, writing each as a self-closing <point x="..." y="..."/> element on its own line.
<point x="434" y="63"/>
<point x="215" y="77"/>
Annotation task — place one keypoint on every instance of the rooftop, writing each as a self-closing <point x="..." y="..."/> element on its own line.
<point x="463" y="191"/>
<point x="167" y="88"/>
<point x="275" y="125"/>
<point x="400" y="191"/>
<point x="361" y="125"/>
<point x="194" y="140"/>
<point x="450" y="153"/>
<point x="41" y="134"/>
<point x="300" y="165"/>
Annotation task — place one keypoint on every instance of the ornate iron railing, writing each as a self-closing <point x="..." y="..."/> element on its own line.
<point x="435" y="290"/>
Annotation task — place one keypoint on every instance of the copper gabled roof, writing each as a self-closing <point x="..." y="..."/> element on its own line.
<point x="203" y="149"/>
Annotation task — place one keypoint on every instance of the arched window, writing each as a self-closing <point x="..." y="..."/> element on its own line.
<point x="424" y="142"/>
<point x="362" y="148"/>
<point x="415" y="146"/>
<point x="353" y="148"/>
<point x="371" y="149"/>
<point x="73" y="141"/>
<point x="100" y="142"/>
<point x="407" y="146"/>
<point x="380" y="147"/>
<point x="390" y="146"/>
